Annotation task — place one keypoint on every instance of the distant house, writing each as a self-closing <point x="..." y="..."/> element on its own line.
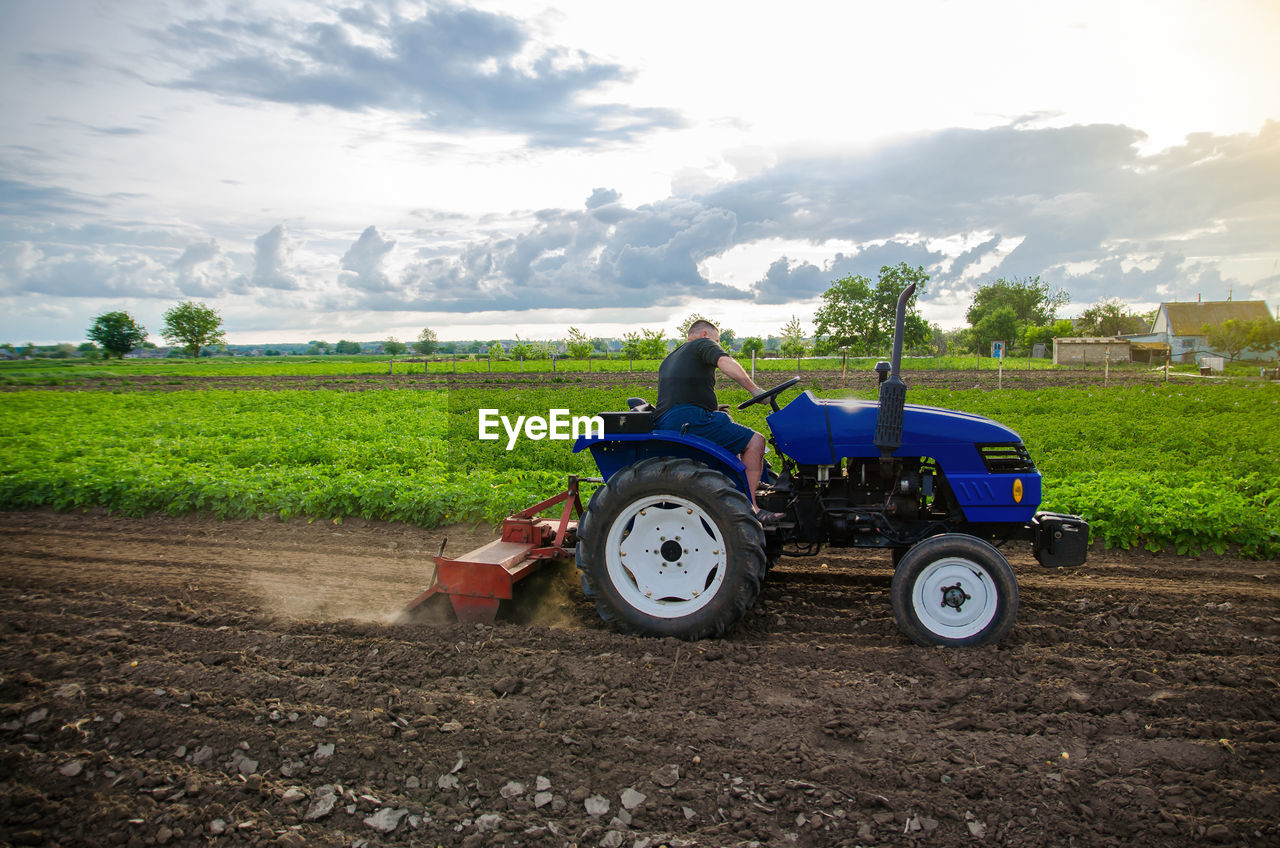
<point x="1090" y="350"/>
<point x="1181" y="326"/>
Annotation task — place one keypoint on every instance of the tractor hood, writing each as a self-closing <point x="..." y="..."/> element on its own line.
<point x="815" y="431"/>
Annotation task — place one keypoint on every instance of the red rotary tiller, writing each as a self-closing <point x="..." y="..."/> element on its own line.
<point x="478" y="581"/>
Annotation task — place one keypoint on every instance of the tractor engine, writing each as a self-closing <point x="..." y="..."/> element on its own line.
<point x="849" y="503"/>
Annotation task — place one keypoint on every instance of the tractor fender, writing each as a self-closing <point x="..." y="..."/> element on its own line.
<point x="616" y="451"/>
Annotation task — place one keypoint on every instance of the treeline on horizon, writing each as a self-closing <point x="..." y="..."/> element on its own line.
<point x="856" y="318"/>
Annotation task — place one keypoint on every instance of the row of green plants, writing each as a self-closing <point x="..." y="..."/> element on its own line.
<point x="1182" y="468"/>
<point x="70" y="371"/>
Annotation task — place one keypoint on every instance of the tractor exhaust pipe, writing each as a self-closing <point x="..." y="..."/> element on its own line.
<point x="893" y="392"/>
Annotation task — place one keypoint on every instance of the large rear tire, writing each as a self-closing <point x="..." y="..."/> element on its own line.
<point x="669" y="547"/>
<point x="954" y="589"/>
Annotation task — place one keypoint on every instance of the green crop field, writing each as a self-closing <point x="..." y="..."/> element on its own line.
<point x="58" y="371"/>
<point x="1186" y="468"/>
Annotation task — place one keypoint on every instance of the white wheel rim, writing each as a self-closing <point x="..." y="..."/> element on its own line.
<point x="954" y="598"/>
<point x="665" y="556"/>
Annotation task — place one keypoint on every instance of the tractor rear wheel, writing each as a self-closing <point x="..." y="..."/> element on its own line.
<point x="954" y="589"/>
<point x="669" y="547"/>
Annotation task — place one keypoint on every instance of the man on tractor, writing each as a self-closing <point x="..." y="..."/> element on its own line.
<point x="687" y="396"/>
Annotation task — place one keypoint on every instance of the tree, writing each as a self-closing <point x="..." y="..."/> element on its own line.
<point x="1230" y="337"/>
<point x="522" y="349"/>
<point x="793" y="339"/>
<point x="1110" y="317"/>
<point x="1045" y="334"/>
<point x="394" y="346"/>
<point x="653" y="344"/>
<point x="193" y="326"/>
<point x="117" y="332"/>
<point x="1030" y="299"/>
<point x="728" y="338"/>
<point x="427" y="342"/>
<point x="88" y="350"/>
<point x="1264" y="335"/>
<point x="631" y="347"/>
<point x="858" y="315"/>
<point x="348" y="347"/>
<point x="752" y="344"/>
<point x="577" y="345"/>
<point x="998" y="325"/>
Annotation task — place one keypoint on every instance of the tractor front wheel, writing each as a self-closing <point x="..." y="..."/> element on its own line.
<point x="954" y="589"/>
<point x="669" y="547"/>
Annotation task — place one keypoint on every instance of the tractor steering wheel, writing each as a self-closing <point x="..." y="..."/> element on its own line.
<point x="771" y="395"/>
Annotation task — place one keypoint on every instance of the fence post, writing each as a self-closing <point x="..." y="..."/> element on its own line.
<point x="391" y="368"/>
<point x="454" y="357"/>
<point x="522" y="363"/>
<point x="753" y="365"/>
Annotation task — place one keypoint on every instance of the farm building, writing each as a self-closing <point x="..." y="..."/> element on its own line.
<point x="1156" y="353"/>
<point x="1181" y="326"/>
<point x="1090" y="350"/>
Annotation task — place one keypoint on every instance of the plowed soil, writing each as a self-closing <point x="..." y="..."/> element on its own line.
<point x="192" y="682"/>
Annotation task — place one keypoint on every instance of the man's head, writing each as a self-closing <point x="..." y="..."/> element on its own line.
<point x="703" y="330"/>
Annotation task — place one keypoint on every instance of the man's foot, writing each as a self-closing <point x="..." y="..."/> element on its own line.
<point x="768" y="519"/>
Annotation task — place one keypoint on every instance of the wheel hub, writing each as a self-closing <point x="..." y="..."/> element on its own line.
<point x="665" y="556"/>
<point x="954" y="596"/>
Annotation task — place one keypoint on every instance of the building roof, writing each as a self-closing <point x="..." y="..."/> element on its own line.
<point x="1111" y="340"/>
<point x="1188" y="319"/>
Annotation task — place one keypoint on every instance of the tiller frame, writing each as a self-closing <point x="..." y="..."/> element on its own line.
<point x="477" y="582"/>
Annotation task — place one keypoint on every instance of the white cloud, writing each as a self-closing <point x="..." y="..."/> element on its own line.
<point x="152" y="152"/>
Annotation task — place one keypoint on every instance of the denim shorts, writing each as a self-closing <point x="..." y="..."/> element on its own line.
<point x="715" y="427"/>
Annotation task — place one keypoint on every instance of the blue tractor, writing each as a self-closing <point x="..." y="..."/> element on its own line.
<point x="669" y="545"/>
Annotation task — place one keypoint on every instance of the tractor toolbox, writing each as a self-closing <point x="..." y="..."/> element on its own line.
<point x="1059" y="539"/>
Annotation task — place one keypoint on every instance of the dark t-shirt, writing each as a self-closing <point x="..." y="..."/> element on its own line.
<point x="688" y="375"/>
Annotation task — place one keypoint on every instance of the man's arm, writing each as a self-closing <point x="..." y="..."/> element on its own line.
<point x="738" y="374"/>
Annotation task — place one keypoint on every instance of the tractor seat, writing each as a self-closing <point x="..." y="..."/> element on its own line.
<point x="639" y="405"/>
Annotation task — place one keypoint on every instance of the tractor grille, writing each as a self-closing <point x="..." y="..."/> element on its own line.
<point x="1008" y="458"/>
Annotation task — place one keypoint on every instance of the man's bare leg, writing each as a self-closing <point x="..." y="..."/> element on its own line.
<point x="753" y="458"/>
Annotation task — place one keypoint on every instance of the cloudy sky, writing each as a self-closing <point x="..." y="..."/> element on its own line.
<point x="357" y="170"/>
